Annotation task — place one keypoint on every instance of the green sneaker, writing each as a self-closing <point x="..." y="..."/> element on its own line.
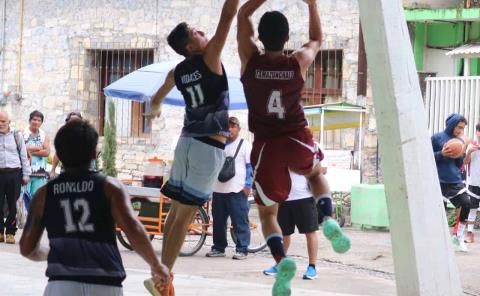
<point x="285" y="272"/>
<point x="458" y="245"/>
<point x="334" y="233"/>
<point x="331" y="228"/>
<point x="341" y="244"/>
<point x="150" y="286"/>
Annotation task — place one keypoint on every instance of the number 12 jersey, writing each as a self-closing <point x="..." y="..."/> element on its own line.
<point x="81" y="231"/>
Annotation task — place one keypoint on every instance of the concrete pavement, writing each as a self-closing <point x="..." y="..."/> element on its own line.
<point x="367" y="269"/>
<point x="25" y="278"/>
<point x="198" y="275"/>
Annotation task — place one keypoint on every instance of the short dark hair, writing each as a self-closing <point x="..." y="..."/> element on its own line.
<point x="36" y="113"/>
<point x="477" y="127"/>
<point x="462" y="119"/>
<point x="178" y="39"/>
<point x="75" y="143"/>
<point x="273" y="30"/>
<point x="73" y="113"/>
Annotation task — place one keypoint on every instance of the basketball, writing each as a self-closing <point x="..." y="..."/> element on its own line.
<point x="456" y="147"/>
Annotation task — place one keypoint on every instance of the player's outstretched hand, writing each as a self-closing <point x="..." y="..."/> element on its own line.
<point x="160" y="275"/>
<point x="155" y="113"/>
<point x="310" y="2"/>
<point x="447" y="152"/>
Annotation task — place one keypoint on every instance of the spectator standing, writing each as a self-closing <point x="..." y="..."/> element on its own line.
<point x="230" y="198"/>
<point x="38" y="149"/>
<point x="14" y="171"/>
<point x="472" y="159"/>
<point x="70" y="117"/>
<point x="450" y="176"/>
<point x="299" y="211"/>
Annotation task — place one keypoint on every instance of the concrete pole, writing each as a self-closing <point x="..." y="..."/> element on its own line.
<point x="422" y="251"/>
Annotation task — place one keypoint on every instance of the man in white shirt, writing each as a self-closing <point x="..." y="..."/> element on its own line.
<point x="230" y="197"/>
<point x="300" y="211"/>
<point x="472" y="159"/>
<point x="14" y="172"/>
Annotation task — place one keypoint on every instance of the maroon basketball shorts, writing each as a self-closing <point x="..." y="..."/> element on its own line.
<point x="273" y="158"/>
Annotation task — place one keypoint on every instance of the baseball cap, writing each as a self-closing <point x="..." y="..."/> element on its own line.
<point x="234" y="120"/>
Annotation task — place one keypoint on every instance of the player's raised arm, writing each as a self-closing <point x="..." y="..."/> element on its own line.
<point x="212" y="56"/>
<point x="123" y="215"/>
<point x="161" y="93"/>
<point x="245" y="31"/>
<point x="307" y="53"/>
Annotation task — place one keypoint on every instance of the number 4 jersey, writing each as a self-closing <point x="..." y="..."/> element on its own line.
<point x="273" y="90"/>
<point x="206" y="98"/>
<point x="81" y="231"/>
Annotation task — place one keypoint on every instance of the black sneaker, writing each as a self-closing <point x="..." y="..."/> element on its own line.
<point x="215" y="253"/>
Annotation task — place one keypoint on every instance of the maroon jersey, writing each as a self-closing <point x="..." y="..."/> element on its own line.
<point x="273" y="92"/>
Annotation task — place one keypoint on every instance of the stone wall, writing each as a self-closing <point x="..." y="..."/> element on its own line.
<point x="56" y="75"/>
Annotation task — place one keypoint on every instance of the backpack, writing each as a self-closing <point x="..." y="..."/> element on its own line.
<point x="18" y="139"/>
<point x="228" y="170"/>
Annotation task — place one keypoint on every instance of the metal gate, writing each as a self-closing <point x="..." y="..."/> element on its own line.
<point x="447" y="95"/>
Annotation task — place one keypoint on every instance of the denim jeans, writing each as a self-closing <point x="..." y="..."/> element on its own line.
<point x="235" y="206"/>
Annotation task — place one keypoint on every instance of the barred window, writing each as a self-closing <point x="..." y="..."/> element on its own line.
<point x="110" y="65"/>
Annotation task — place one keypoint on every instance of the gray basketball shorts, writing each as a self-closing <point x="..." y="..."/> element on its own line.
<point x="71" y="288"/>
<point x="196" y="165"/>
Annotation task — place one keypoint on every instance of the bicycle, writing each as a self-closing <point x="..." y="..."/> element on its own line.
<point x="152" y="214"/>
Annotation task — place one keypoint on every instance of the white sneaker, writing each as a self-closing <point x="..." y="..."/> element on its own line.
<point x="463" y="247"/>
<point x="458" y="245"/>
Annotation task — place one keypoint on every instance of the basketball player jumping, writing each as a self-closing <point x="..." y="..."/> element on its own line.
<point x="199" y="154"/>
<point x="273" y="83"/>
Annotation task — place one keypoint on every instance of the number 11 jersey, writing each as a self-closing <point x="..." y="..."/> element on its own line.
<point x="273" y="89"/>
<point x="206" y="98"/>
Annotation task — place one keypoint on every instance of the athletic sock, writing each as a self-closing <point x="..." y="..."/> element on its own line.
<point x="461" y="231"/>
<point x="472" y="215"/>
<point x="312" y="265"/>
<point x="275" y="243"/>
<point x="324" y="205"/>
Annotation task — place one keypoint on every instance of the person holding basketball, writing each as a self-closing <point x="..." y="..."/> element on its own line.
<point x="449" y="173"/>
<point x="273" y="84"/>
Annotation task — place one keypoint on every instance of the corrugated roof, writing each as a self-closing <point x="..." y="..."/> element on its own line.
<point x="471" y="50"/>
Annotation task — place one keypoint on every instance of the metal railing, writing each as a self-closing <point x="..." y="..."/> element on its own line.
<point x="447" y="95"/>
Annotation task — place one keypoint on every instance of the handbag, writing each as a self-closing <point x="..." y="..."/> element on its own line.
<point x="228" y="170"/>
<point x="21" y="217"/>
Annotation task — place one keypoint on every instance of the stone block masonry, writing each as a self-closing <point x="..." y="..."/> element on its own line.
<point x="57" y="77"/>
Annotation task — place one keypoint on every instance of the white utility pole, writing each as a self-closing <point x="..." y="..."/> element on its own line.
<point x="422" y="251"/>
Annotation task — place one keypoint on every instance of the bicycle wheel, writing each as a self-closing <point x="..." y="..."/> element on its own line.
<point x="257" y="241"/>
<point x="122" y="238"/>
<point x="196" y="235"/>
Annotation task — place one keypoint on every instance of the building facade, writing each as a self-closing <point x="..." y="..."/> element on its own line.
<point x="57" y="56"/>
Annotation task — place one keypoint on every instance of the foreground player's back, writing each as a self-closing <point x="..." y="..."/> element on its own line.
<point x="85" y="251"/>
<point x="273" y="90"/>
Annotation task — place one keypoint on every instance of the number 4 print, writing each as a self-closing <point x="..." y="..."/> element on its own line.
<point x="197" y="99"/>
<point x="275" y="105"/>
